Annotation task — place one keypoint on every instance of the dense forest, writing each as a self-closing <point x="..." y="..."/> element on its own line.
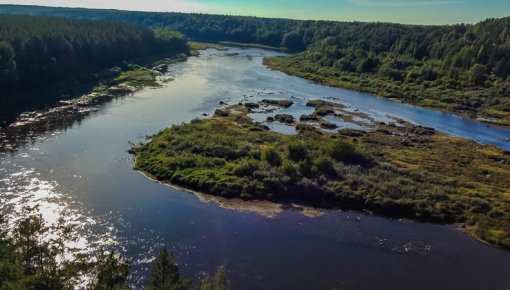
<point x="201" y="27"/>
<point x="44" y="58"/>
<point x="462" y="67"/>
<point x="39" y="256"/>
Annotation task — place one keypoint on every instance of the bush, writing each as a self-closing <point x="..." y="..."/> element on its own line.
<point x="324" y="164"/>
<point x="290" y="170"/>
<point x="345" y="151"/>
<point x="220" y="113"/>
<point x="272" y="156"/>
<point x="305" y="167"/>
<point x="297" y="151"/>
<point x="246" y="167"/>
<point x="478" y="74"/>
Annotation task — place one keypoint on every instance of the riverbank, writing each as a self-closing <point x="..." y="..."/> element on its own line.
<point x="148" y="73"/>
<point x="196" y="46"/>
<point x="398" y="169"/>
<point x="393" y="91"/>
<point x="222" y="46"/>
<point x="253" y="45"/>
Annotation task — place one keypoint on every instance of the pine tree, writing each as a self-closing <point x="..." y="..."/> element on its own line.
<point x="165" y="274"/>
<point x="218" y="282"/>
<point x="112" y="273"/>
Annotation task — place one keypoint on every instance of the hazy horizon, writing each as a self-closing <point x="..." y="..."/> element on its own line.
<point x="410" y="12"/>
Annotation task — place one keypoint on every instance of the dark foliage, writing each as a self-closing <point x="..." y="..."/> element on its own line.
<point x="165" y="274"/>
<point x="43" y="59"/>
<point x="30" y="259"/>
<point x="458" y="67"/>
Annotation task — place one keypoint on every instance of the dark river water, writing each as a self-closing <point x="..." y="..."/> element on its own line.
<point x="84" y="172"/>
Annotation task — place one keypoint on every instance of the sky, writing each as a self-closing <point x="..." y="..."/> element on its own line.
<point x="402" y="11"/>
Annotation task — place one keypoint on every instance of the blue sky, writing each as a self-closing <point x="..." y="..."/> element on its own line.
<point x="403" y="11"/>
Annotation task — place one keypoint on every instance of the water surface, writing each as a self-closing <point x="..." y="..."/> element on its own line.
<point x="85" y="169"/>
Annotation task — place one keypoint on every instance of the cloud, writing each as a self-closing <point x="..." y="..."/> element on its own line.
<point x="400" y="3"/>
<point x="148" y="5"/>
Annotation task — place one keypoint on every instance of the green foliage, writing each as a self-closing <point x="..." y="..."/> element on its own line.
<point x="246" y="167"/>
<point x="297" y="151"/>
<point x="112" y="273"/>
<point x="343" y="150"/>
<point x="461" y="67"/>
<point x="165" y="274"/>
<point x="218" y="282"/>
<point x="222" y="157"/>
<point x="46" y="263"/>
<point x="325" y="164"/>
<point x="7" y="66"/>
<point x="431" y="178"/>
<point x="29" y="259"/>
<point x="433" y="66"/>
<point x="293" y="40"/>
<point x="478" y="74"/>
<point x="138" y="77"/>
<point x="42" y="59"/>
<point x="201" y="27"/>
<point x="271" y="155"/>
<point x="11" y="270"/>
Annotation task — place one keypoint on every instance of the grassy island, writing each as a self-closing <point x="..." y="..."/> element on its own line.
<point x="399" y="171"/>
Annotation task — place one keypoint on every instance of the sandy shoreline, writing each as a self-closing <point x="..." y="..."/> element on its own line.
<point x="261" y="207"/>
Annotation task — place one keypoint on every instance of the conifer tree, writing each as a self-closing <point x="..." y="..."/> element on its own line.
<point x="165" y="274"/>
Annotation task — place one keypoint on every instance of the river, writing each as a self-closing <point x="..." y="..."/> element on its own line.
<point x="83" y="171"/>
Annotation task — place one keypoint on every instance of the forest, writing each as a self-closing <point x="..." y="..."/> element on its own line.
<point x="201" y="27"/>
<point x="45" y="59"/>
<point x="463" y="68"/>
<point x="460" y="68"/>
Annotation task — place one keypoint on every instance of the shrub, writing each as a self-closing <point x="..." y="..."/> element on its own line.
<point x="272" y="156"/>
<point x="305" y="167"/>
<point x="220" y="113"/>
<point x="290" y="170"/>
<point x="478" y="74"/>
<point x="324" y="164"/>
<point x="246" y="167"/>
<point x="297" y="151"/>
<point x="345" y="151"/>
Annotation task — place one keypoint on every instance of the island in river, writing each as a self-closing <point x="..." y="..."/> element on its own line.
<point x="396" y="169"/>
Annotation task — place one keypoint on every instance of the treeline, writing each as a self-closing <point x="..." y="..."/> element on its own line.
<point x="349" y="46"/>
<point x="56" y="56"/>
<point x="37" y="256"/>
<point x="291" y="34"/>
<point x="460" y="67"/>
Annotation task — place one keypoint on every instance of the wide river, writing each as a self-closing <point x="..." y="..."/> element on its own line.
<point x="83" y="171"/>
